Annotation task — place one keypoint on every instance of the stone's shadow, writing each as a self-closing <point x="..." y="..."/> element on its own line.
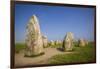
<point x="60" y="49"/>
<point x="35" y="55"/>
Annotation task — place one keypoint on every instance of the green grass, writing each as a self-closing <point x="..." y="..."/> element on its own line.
<point x="19" y="47"/>
<point x="83" y="55"/>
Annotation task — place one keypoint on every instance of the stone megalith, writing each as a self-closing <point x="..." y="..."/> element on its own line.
<point x="68" y="42"/>
<point x="45" y="41"/>
<point x="86" y="42"/>
<point x="82" y="42"/>
<point x="34" y="44"/>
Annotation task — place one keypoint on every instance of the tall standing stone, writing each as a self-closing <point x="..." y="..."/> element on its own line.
<point x="45" y="41"/>
<point x="33" y="37"/>
<point x="68" y="42"/>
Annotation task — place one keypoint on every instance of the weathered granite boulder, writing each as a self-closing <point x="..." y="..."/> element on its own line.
<point x="68" y="42"/>
<point x="45" y="41"/>
<point x="33" y="37"/>
<point x="82" y="42"/>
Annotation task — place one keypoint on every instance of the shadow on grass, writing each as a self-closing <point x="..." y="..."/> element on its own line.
<point x="35" y="55"/>
<point x="60" y="49"/>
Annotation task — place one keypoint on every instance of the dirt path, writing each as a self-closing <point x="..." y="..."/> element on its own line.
<point x="20" y="60"/>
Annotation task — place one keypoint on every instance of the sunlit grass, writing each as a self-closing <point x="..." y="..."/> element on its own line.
<point x="19" y="47"/>
<point x="83" y="55"/>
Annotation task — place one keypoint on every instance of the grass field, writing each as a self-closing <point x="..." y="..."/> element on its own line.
<point x="83" y="55"/>
<point x="19" y="47"/>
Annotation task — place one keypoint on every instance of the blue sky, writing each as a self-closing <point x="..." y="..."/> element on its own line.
<point x="55" y="21"/>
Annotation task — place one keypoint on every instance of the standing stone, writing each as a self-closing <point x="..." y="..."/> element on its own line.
<point x="82" y="42"/>
<point x="45" y="41"/>
<point x="86" y="42"/>
<point x="68" y="42"/>
<point x="33" y="37"/>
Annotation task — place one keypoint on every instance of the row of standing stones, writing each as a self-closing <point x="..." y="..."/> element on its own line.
<point x="36" y="42"/>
